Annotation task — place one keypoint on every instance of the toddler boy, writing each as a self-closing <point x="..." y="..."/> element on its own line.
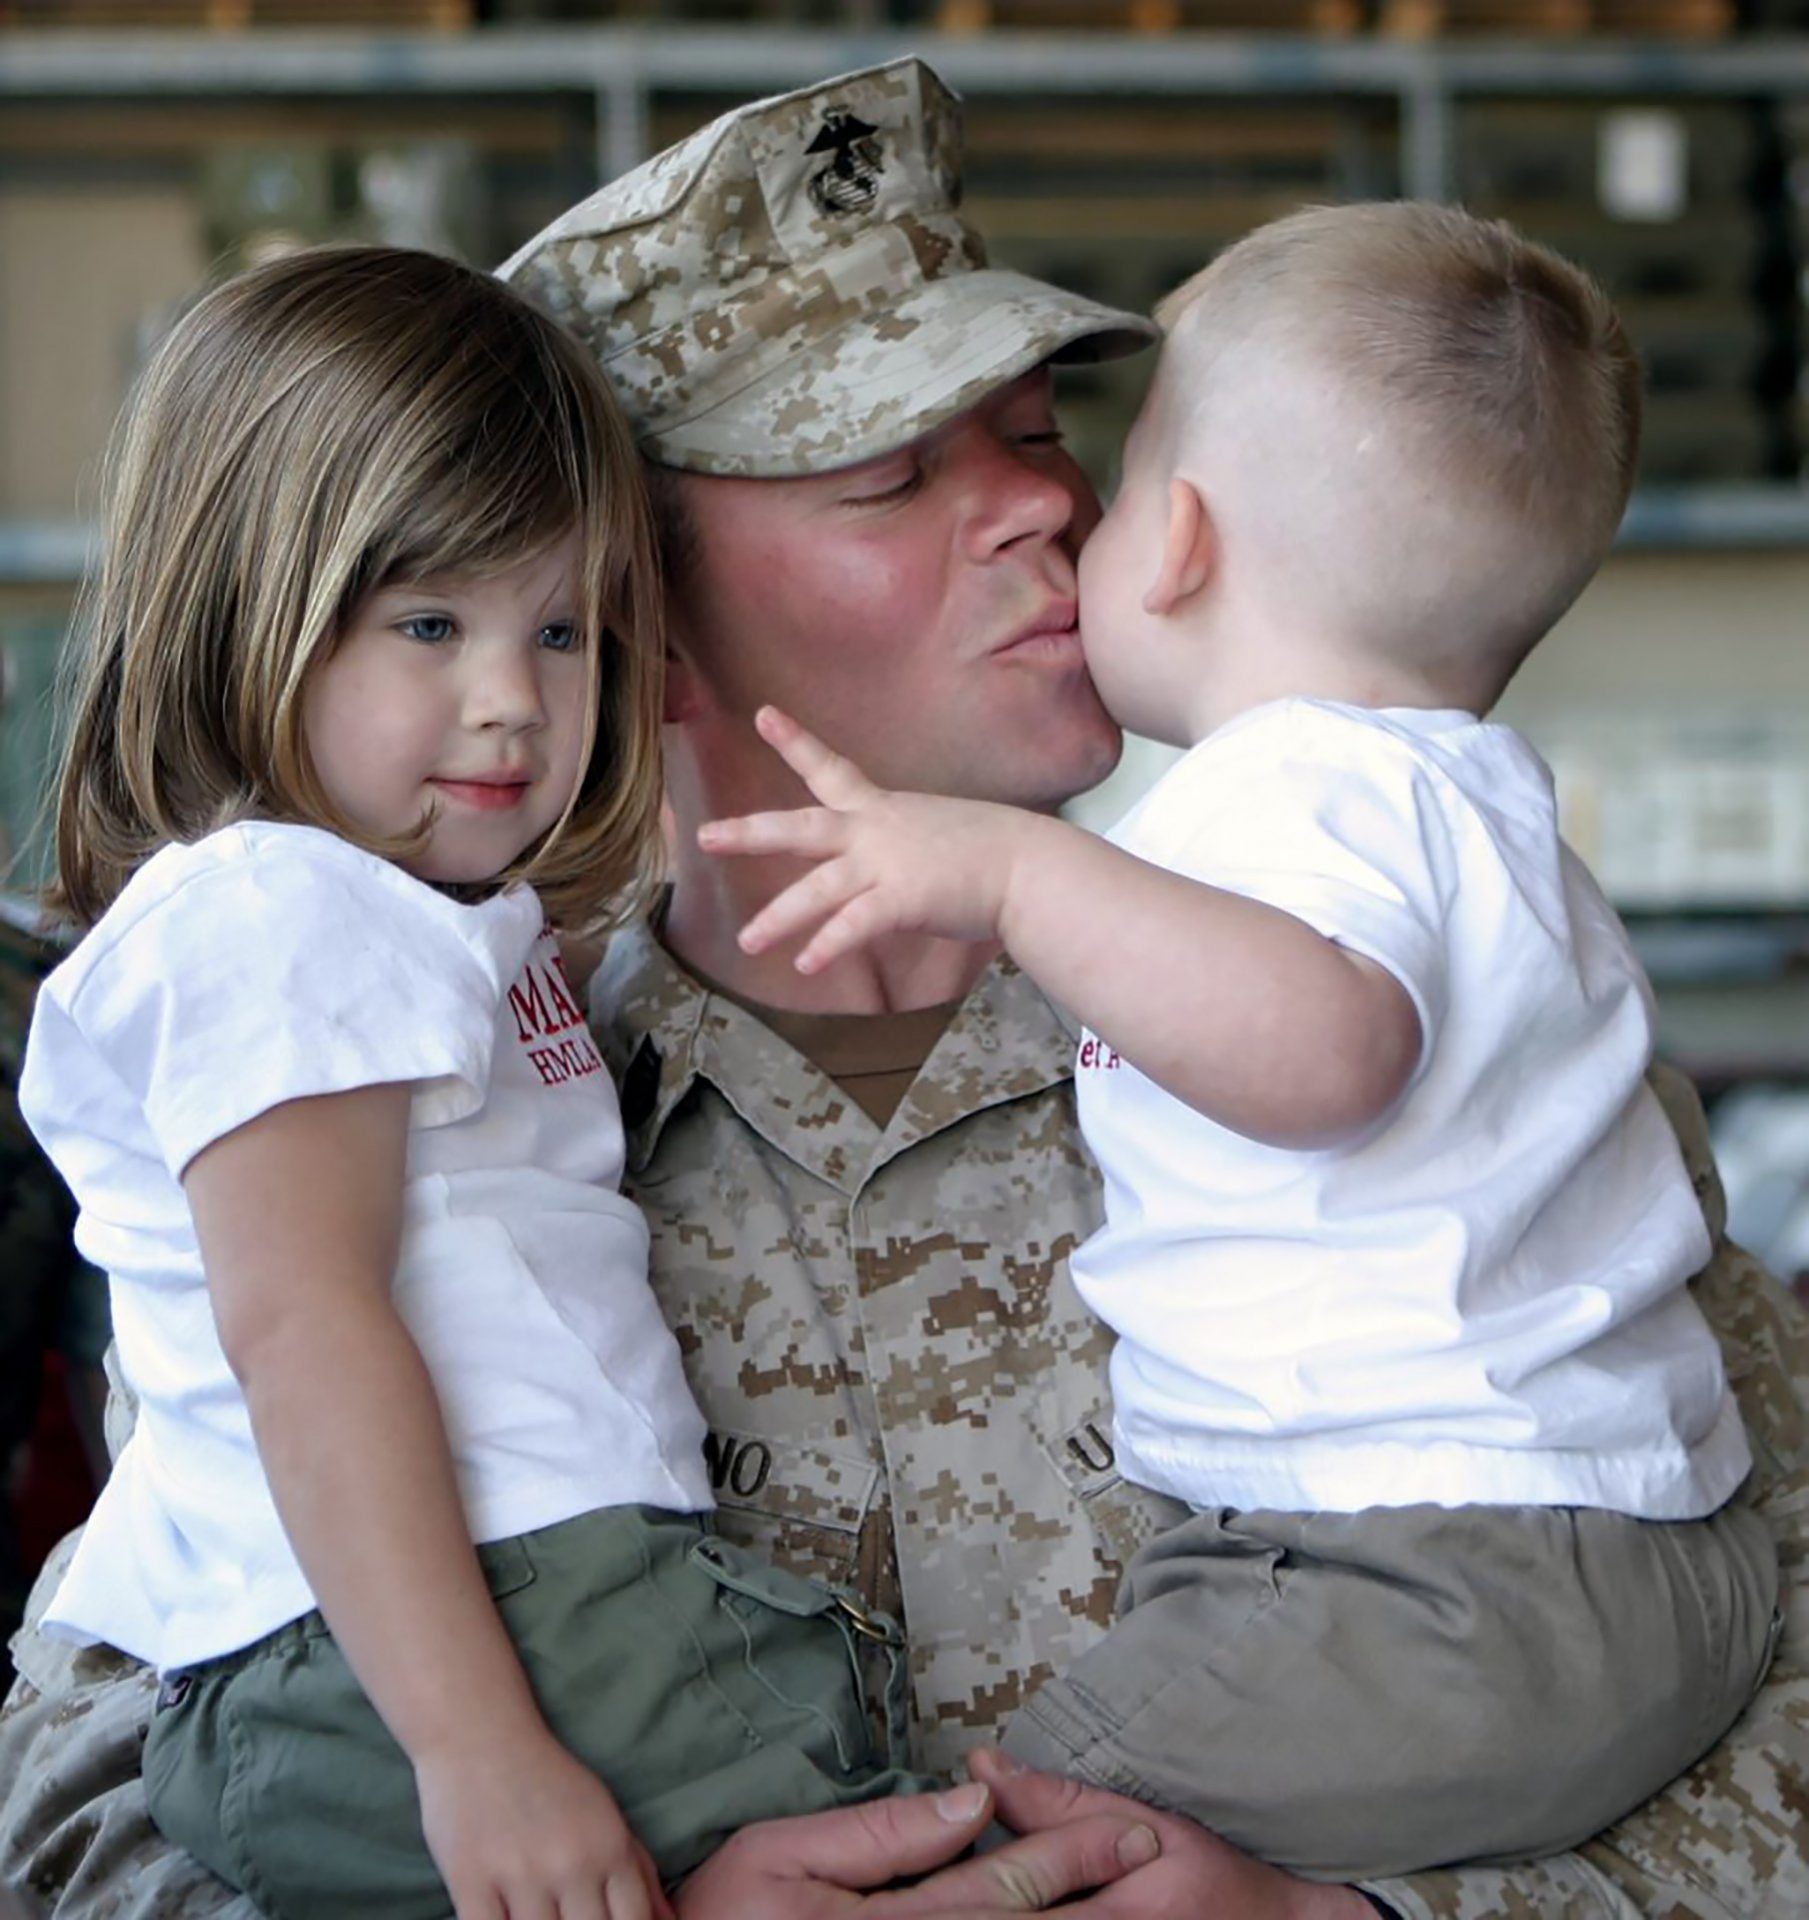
<point x="1396" y="1237"/>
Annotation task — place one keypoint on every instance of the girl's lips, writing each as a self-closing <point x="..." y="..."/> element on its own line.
<point x="489" y="796"/>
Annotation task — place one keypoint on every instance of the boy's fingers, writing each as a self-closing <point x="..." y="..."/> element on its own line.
<point x="801" y="905"/>
<point x="817" y="831"/>
<point x="864" y="918"/>
<point x="836" y="781"/>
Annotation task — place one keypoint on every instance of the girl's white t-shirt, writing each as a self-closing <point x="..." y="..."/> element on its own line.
<point x="263" y="964"/>
<point x="1481" y="1301"/>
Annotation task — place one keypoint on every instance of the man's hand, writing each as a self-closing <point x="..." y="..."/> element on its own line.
<point x="1196" y="1876"/>
<point x="887" y="862"/>
<point x="527" y="1832"/>
<point x="823" y="1866"/>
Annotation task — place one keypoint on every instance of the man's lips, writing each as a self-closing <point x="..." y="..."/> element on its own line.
<point x="1054" y="635"/>
<point x="491" y="793"/>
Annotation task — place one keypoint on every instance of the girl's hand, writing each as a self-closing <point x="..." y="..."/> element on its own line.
<point x="887" y="862"/>
<point x="521" y="1831"/>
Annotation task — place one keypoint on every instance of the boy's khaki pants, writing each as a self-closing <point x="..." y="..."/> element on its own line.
<point x="1360" y="1695"/>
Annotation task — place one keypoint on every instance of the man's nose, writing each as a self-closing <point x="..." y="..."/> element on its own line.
<point x="1021" y="496"/>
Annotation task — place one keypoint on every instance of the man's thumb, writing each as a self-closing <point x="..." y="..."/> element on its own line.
<point x="905" y="1835"/>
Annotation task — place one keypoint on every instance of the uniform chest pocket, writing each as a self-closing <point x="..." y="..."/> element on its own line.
<point x="803" y="1507"/>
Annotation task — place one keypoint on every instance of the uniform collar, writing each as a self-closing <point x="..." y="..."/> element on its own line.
<point x="662" y="1030"/>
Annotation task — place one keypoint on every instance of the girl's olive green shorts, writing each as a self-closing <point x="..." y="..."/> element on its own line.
<point x="704" y="1688"/>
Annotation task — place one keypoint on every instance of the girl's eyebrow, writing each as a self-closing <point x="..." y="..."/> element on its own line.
<point x="445" y="585"/>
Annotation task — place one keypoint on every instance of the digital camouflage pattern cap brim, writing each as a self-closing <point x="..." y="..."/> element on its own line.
<point x="791" y="289"/>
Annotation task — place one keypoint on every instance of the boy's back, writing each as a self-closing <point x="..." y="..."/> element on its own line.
<point x="1482" y="1298"/>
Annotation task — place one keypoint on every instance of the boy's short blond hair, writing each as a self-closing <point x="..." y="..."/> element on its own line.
<point x="1492" y="376"/>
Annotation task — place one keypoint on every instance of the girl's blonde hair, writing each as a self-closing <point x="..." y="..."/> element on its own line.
<point x="335" y="421"/>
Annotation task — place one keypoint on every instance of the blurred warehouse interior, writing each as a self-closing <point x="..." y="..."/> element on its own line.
<point x="148" y="147"/>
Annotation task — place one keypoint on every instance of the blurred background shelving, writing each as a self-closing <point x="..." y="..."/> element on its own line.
<point x="1113" y="146"/>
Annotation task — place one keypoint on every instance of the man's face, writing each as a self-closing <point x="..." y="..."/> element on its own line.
<point x="917" y="611"/>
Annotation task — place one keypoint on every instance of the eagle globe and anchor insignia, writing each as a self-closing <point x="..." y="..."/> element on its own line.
<point x="850" y="182"/>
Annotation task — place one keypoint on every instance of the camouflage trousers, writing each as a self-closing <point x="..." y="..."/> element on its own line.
<point x="72" y="1807"/>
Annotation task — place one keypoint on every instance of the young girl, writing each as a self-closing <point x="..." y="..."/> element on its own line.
<point x="368" y="706"/>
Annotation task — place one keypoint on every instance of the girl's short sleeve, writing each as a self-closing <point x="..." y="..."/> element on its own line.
<point x="280" y="964"/>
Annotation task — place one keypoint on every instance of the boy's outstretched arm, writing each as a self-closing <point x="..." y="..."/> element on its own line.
<point x="1242" y="1011"/>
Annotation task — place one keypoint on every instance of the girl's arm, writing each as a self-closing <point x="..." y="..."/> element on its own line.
<point x="298" y="1215"/>
<point x="1240" y="1010"/>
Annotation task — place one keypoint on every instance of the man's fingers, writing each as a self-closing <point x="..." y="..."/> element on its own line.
<point x="836" y="781"/>
<point x="1029" y="1875"/>
<point x="816" y="832"/>
<point x="1030" y="1802"/>
<point x="802" y="905"/>
<point x="875" y="1841"/>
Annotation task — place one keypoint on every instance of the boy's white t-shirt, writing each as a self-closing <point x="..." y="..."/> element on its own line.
<point x="1482" y="1300"/>
<point x="263" y="964"/>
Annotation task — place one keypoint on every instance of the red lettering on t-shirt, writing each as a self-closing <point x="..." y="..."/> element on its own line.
<point x="548" y="1065"/>
<point x="569" y="1016"/>
<point x="570" y="1060"/>
<point x="542" y="1003"/>
<point x="528" y="1003"/>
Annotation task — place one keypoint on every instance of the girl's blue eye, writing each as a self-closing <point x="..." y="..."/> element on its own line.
<point x="429" y="628"/>
<point x="560" y="637"/>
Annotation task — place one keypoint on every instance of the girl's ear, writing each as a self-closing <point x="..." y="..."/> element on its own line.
<point x="1190" y="551"/>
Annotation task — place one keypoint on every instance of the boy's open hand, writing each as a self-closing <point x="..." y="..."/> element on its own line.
<point x="887" y="862"/>
<point x="525" y="1832"/>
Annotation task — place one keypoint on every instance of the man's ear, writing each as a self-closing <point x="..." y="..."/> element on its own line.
<point x="1190" y="550"/>
<point x="684" y="696"/>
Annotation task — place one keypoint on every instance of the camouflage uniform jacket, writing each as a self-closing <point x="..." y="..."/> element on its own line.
<point x="904" y="1391"/>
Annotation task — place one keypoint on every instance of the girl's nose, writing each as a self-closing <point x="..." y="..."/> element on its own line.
<point x="505" y="691"/>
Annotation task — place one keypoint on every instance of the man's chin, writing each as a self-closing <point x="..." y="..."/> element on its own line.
<point x="1044" y="782"/>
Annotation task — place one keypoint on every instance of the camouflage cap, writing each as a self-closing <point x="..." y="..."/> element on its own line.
<point x="791" y="289"/>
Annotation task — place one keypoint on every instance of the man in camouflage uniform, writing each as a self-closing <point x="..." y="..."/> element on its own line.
<point x="863" y="1188"/>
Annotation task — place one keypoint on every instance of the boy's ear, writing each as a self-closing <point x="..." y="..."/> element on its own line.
<point x="1190" y="550"/>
